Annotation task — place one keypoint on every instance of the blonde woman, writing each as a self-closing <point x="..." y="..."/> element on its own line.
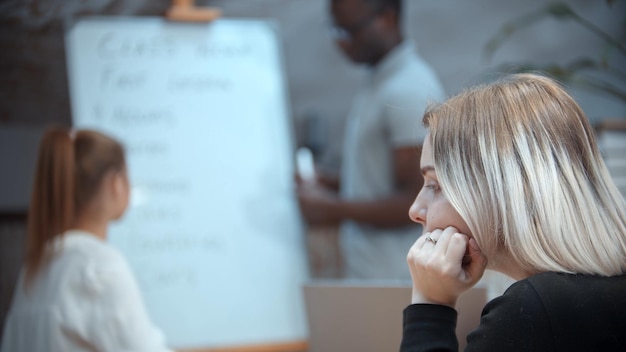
<point x="76" y="293"/>
<point x="514" y="182"/>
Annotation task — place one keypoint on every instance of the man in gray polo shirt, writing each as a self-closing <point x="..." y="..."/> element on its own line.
<point x="380" y="170"/>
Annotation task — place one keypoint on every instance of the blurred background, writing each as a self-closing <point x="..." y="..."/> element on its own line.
<point x="581" y="42"/>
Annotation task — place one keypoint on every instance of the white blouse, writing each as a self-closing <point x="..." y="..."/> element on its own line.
<point x="86" y="299"/>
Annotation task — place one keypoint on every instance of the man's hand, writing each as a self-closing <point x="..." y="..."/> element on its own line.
<point x="319" y="205"/>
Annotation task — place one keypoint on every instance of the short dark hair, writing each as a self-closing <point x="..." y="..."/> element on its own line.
<point x="381" y="5"/>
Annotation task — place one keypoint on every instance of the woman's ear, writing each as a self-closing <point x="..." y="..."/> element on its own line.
<point x="120" y="192"/>
<point x="117" y="180"/>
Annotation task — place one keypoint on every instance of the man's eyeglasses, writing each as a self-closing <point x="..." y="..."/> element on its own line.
<point x="344" y="33"/>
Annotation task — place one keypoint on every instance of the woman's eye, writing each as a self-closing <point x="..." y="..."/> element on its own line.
<point x="432" y="187"/>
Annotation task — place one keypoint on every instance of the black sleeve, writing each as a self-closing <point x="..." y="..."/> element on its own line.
<point x="516" y="321"/>
<point x="429" y="327"/>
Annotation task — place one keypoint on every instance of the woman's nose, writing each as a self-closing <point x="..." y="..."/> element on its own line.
<point x="417" y="211"/>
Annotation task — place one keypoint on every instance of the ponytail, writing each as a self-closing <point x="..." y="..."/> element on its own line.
<point x="51" y="210"/>
<point x="70" y="170"/>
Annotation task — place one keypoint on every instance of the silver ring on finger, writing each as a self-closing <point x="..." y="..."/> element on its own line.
<point x="430" y="239"/>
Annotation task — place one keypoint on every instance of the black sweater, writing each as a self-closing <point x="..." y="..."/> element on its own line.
<point x="546" y="312"/>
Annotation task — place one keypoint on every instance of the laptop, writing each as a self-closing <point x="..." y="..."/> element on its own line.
<point x="346" y="316"/>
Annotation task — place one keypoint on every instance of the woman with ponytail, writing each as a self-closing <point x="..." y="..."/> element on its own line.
<point x="76" y="293"/>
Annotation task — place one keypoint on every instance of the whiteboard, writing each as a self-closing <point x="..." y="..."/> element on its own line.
<point x="213" y="232"/>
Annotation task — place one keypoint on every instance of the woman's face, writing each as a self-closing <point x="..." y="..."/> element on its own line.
<point x="431" y="208"/>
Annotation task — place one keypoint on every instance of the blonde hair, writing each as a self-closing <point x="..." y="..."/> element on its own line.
<point x="70" y="168"/>
<point x="519" y="161"/>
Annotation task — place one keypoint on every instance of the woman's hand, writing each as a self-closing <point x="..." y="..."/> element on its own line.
<point x="443" y="265"/>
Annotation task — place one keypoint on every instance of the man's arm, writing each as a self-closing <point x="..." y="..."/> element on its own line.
<point x="320" y="206"/>
<point x="391" y="211"/>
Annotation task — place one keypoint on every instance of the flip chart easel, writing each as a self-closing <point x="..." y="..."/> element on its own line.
<point x="186" y="11"/>
<point x="213" y="232"/>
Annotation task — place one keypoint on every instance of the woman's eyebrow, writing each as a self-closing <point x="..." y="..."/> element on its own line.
<point x="425" y="169"/>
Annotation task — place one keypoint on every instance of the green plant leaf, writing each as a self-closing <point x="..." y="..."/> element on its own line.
<point x="558" y="10"/>
<point x="572" y="74"/>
